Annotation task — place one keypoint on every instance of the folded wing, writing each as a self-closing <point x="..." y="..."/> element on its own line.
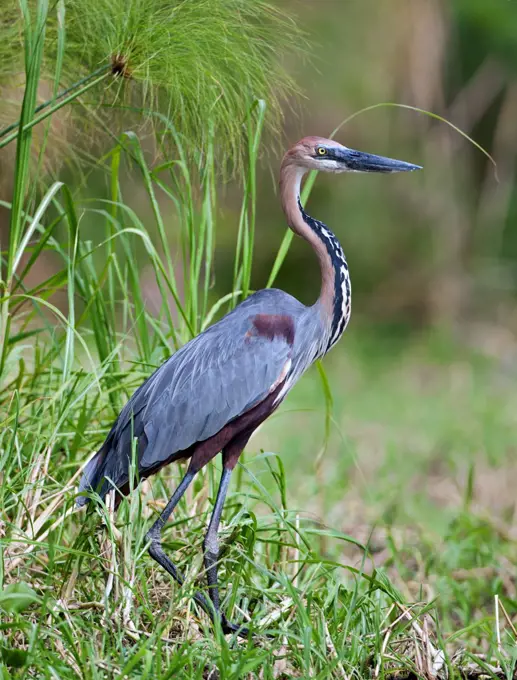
<point x="212" y="380"/>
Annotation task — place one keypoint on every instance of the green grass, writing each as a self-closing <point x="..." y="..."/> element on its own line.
<point x="91" y="603"/>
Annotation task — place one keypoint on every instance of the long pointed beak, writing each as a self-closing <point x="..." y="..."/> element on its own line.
<point x="358" y="161"/>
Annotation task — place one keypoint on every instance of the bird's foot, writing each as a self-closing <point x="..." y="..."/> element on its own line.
<point x="214" y="614"/>
<point x="228" y="627"/>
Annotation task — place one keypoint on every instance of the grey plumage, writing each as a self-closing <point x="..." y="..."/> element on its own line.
<point x="214" y="378"/>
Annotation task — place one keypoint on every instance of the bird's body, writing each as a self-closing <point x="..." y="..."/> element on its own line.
<point x="269" y="339"/>
<point x="214" y="392"/>
<point x="210" y="382"/>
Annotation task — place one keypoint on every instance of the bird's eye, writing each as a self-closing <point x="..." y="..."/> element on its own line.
<point x="321" y="151"/>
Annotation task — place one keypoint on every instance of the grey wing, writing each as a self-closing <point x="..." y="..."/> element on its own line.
<point x="209" y="382"/>
<point x="212" y="380"/>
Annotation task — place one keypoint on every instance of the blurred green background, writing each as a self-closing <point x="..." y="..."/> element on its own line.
<point x="437" y="248"/>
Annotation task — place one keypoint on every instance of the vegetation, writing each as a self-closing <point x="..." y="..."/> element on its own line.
<point x="360" y="531"/>
<point x="81" y="600"/>
<point x="200" y="63"/>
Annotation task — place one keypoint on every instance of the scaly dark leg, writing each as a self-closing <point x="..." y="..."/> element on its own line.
<point x="154" y="535"/>
<point x="211" y="543"/>
<point x="211" y="553"/>
<point x="231" y="453"/>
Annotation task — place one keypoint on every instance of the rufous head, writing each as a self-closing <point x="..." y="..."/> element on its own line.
<point x="327" y="155"/>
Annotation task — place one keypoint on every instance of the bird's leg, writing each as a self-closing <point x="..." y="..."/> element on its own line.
<point x="154" y="535"/>
<point x="211" y="543"/>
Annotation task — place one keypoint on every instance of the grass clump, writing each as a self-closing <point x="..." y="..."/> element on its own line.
<point x="81" y="598"/>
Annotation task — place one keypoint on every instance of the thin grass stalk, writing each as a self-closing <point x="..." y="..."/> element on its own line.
<point x="149" y="178"/>
<point x="288" y="236"/>
<point x="34" y="43"/>
<point x="209" y="214"/>
<point x="205" y="232"/>
<point x="110" y="226"/>
<point x="254" y="137"/>
<point x="123" y="278"/>
<point x="148" y="182"/>
<point x="89" y="285"/>
<point x="57" y="106"/>
<point x="237" y="267"/>
<point x="183" y="184"/>
<point x="243" y="259"/>
<point x="135" y="307"/>
<point x="38" y="170"/>
<point x="73" y="225"/>
<point x="58" y="95"/>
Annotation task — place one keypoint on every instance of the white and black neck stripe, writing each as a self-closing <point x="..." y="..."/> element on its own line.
<point x="342" y="304"/>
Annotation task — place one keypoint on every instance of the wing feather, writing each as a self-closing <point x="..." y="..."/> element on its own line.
<point x="217" y="376"/>
<point x="214" y="380"/>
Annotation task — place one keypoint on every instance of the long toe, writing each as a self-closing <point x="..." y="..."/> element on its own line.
<point x="229" y="627"/>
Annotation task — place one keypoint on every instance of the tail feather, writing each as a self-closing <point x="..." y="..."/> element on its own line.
<point x="93" y="474"/>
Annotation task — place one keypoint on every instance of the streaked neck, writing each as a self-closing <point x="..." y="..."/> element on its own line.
<point x="335" y="295"/>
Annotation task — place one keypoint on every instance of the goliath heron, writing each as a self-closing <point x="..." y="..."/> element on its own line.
<point x="212" y="394"/>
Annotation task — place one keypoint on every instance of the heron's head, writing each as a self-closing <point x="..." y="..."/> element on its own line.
<point x="317" y="153"/>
